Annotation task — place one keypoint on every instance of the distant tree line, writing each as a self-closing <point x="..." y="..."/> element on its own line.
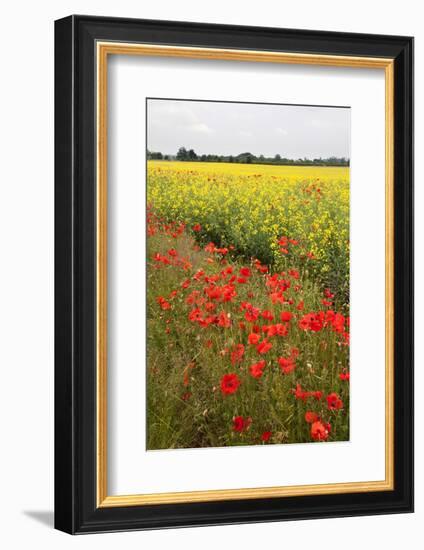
<point x="184" y="154"/>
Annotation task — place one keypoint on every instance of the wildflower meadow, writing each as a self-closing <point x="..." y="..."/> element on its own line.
<point x="247" y="304"/>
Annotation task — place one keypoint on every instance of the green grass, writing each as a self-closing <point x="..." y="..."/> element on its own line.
<point x="186" y="407"/>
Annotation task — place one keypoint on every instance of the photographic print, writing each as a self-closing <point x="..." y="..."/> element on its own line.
<point x="247" y="274"/>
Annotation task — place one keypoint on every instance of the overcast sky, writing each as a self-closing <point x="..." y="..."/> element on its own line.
<point x="233" y="128"/>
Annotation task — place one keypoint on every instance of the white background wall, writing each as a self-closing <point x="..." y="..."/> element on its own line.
<point x="26" y="271"/>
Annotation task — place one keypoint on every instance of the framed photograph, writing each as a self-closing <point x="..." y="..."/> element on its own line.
<point x="234" y="274"/>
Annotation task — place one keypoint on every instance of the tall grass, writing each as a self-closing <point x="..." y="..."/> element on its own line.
<point x="203" y="303"/>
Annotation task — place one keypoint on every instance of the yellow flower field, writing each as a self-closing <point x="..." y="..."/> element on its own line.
<point x="247" y="305"/>
<point x="250" y="206"/>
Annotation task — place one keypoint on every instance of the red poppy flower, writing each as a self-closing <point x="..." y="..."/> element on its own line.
<point x="286" y="316"/>
<point x="172" y="252"/>
<point x="278" y="329"/>
<point x="253" y="338"/>
<point x="319" y="431"/>
<point x="163" y="259"/>
<point x="263" y="347"/>
<point x="334" y="402"/>
<point x="286" y="365"/>
<point x="304" y="395"/>
<point x="277" y="297"/>
<point x="192" y="297"/>
<point x="163" y="303"/>
<point x="303" y="323"/>
<point x="294" y="352"/>
<point x="228" y="293"/>
<point x="223" y="320"/>
<point x="261" y="268"/>
<point x="281" y="329"/>
<point x="212" y="278"/>
<point x="311" y="321"/>
<point x="197" y="227"/>
<point x="229" y="383"/>
<point x="257" y="369"/>
<point x="344" y="376"/>
<point x="252" y="314"/>
<point x="198" y="275"/>
<point x="240" y="424"/>
<point x="204" y="323"/>
<point x="186" y="283"/>
<point x="195" y="315"/>
<point x="338" y="323"/>
<point x="299" y="393"/>
<point x="311" y="417"/>
<point x="213" y="292"/>
<point x="267" y="315"/>
<point x="294" y="273"/>
<point x="245" y="272"/>
<point x="266" y="436"/>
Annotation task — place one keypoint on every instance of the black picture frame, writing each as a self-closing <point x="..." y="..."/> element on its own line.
<point x="76" y="510"/>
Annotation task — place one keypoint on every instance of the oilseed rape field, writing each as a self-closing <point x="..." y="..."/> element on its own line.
<point x="247" y="304"/>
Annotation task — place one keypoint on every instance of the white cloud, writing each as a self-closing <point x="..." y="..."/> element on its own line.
<point x="200" y="127"/>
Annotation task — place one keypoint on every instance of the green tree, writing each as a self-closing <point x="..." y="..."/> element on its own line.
<point x="182" y="154"/>
<point x="156" y="155"/>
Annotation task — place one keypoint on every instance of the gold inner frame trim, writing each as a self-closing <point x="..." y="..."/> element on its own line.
<point x="103" y="50"/>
